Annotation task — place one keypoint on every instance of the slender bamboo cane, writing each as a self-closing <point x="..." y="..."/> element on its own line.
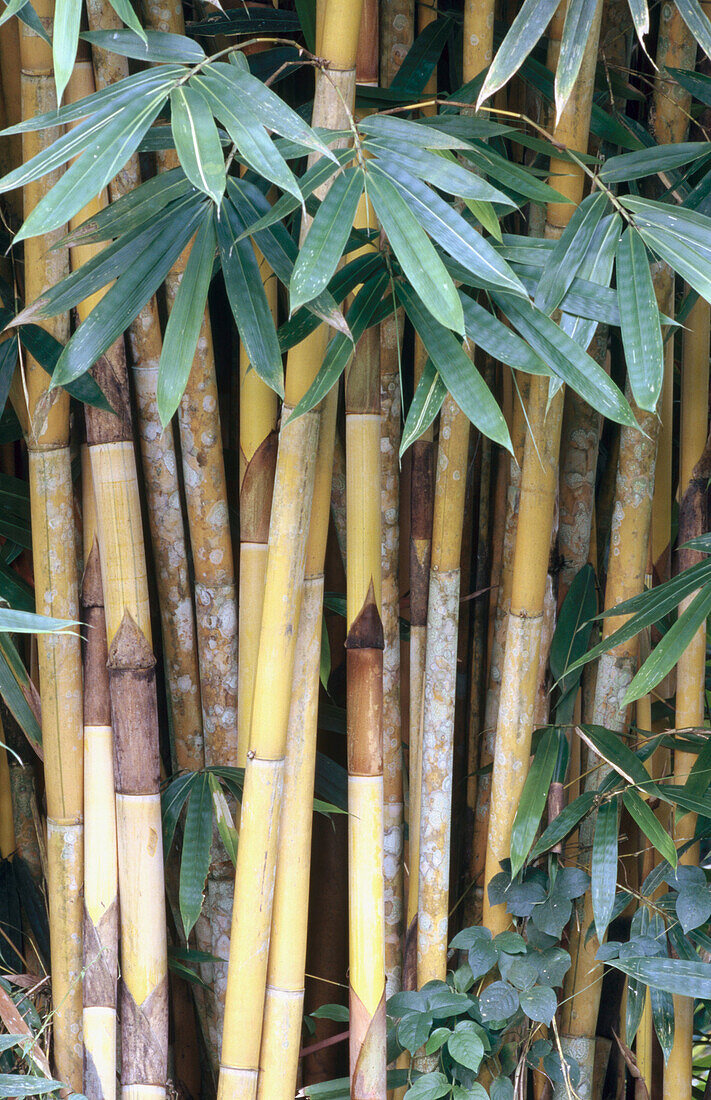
<point x="338" y="495"/>
<point x="215" y="590"/>
<point x="291" y="504"/>
<point x="258" y="448"/>
<point x="537" y="502"/>
<point x="56" y="594"/>
<point x="10" y="63"/>
<point x="439" y="694"/>
<point x="390" y="336"/>
<point x="101" y="915"/>
<point x="159" y="469"/>
<point x="283" y="1006"/>
<point x="694" y="472"/>
<point x="144" y="969"/>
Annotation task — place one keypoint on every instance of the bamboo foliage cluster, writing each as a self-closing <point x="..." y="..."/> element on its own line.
<point x="354" y="459"/>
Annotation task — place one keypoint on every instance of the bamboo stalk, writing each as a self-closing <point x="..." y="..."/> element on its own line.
<point x="291" y="504"/>
<point x="144" y="969"/>
<point x="439" y="695"/>
<point x="258" y="448"/>
<point x="56" y="594"/>
<point x="213" y="567"/>
<point x="101" y="915"/>
<point x="537" y="503"/>
<point x="284" y="999"/>
<point x="390" y="339"/>
<point x="159" y="469"/>
<point x="397" y="26"/>
<point x="694" y="472"/>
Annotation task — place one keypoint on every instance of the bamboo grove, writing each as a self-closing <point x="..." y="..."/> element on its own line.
<point x="354" y="571"/>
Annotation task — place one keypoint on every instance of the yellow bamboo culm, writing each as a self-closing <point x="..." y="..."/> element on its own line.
<point x="284" y="998"/>
<point x="56" y="593"/>
<point x="694" y="472"/>
<point x="257" y="456"/>
<point x="159" y="468"/>
<point x="535" y="520"/>
<point x="101" y="916"/>
<point x="291" y="506"/>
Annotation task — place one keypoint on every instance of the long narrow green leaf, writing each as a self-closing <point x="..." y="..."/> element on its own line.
<point x="667" y="652"/>
<point x="422" y="57"/>
<point x="610" y="746"/>
<point x="149" y="46"/>
<point x="133" y="210"/>
<point x="603" y="868"/>
<point x="639" y="11"/>
<point x="24" y="622"/>
<point x="125" y="12"/>
<point x="172" y="801"/>
<point x="571" y="638"/>
<point x="531" y="21"/>
<point x="426" y="403"/>
<point x="681" y="237"/>
<point x="697" y="21"/>
<point x="566" y="820"/>
<point x="650" y="825"/>
<point x="569" y="253"/>
<point x="197" y="142"/>
<point x="248" y="299"/>
<point x="125" y="298"/>
<point x="421" y="133"/>
<point x="415" y="252"/>
<point x="46" y="350"/>
<point x="533" y="798"/>
<point x="566" y="359"/>
<point x="228" y="82"/>
<point x="16" y="689"/>
<point x="639" y="316"/>
<point x="654" y="161"/>
<point x="452" y="232"/>
<point x="318" y="174"/>
<point x="579" y="17"/>
<point x="195" y="855"/>
<point x="498" y="340"/>
<point x="511" y="175"/>
<point x="457" y="370"/>
<point x="326" y="239"/>
<point x="680" y="976"/>
<point x="248" y="134"/>
<point x="67" y="20"/>
<point x="185" y="320"/>
<point x="102" y="158"/>
<point x="438" y="169"/>
<point x="595" y="272"/>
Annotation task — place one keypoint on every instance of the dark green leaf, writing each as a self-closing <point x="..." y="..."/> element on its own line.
<point x="604" y="866"/>
<point x="67" y="19"/>
<point x="539" y="1004"/>
<point x="531" y="21"/>
<point x="639" y="316"/>
<point x="667" y="652"/>
<point x="326" y="239"/>
<point x="197" y="142"/>
<point x="195" y="855"/>
<point x="533" y="797"/>
<point x="149" y="46"/>
<point x="651" y="827"/>
<point x="569" y="252"/>
<point x="426" y="403"/>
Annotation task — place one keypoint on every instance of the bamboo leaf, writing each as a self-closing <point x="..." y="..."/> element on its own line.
<point x="610" y="746"/>
<point x="453" y="233"/>
<point x="438" y="169"/>
<point x="102" y="158"/>
<point x="421" y="59"/>
<point x="603" y="870"/>
<point x="699" y="778"/>
<point x="681" y="237"/>
<point x="317" y="175"/>
<point x="223" y="818"/>
<point x="569" y="253"/>
<point x="422" y="133"/>
<point x="636" y="997"/>
<point x="639" y="11"/>
<point x="639" y="317"/>
<point x="415" y="252"/>
<point x="571" y="638"/>
<point x="238" y="85"/>
<point x="25" y="622"/>
<point x="121" y="303"/>
<point x="511" y="175"/>
<point x="566" y="359"/>
<point x="195" y="856"/>
<point x="698" y="84"/>
<point x="579" y="17"/>
<point x="531" y="21"/>
<point x="248" y="134"/>
<point x="426" y="403"/>
<point x="20" y="1085"/>
<point x="683" y="977"/>
<point x="696" y="20"/>
<point x="197" y="142"/>
<point x="651" y="827"/>
<point x="134" y="210"/>
<point x="595" y="273"/>
<point x="457" y="370"/>
<point x="663" y="1017"/>
<point x="533" y="798"/>
<point x="248" y="299"/>
<point x="172" y="801"/>
<point x="46" y="350"/>
<point x="566" y="820"/>
<point x="148" y="46"/>
<point x="667" y="652"/>
<point x="185" y="320"/>
<point x="125" y="12"/>
<point x="17" y="690"/>
<point x="650" y="162"/>
<point x="67" y="20"/>
<point x="326" y="239"/>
